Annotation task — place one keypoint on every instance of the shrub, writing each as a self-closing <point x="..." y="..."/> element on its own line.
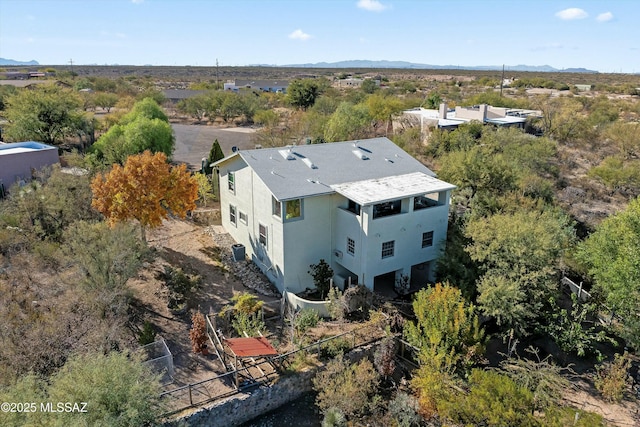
<point x="404" y="410"/>
<point x="180" y="285"/>
<point x="335" y="347"/>
<point x="333" y="417"/>
<point x="346" y="387"/>
<point x="322" y="274"/>
<point x="336" y="306"/>
<point x="249" y="323"/>
<point x="198" y="333"/>
<point x="148" y="334"/>
<point x="611" y="378"/>
<point x="306" y="319"/>
<point x="384" y="357"/>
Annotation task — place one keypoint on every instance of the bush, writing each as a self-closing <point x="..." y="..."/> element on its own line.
<point x="306" y="319"/>
<point x="346" y="387"/>
<point x="336" y="306"/>
<point x="333" y="417"/>
<point x="404" y="410"/>
<point x="148" y="334"/>
<point x="334" y="348"/>
<point x="249" y="323"/>
<point x="180" y="285"/>
<point x="198" y="333"/>
<point x="611" y="378"/>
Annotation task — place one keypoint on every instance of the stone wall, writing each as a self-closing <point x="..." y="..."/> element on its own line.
<point x="246" y="406"/>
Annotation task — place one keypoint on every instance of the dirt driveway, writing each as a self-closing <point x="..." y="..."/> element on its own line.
<point x="193" y="142"/>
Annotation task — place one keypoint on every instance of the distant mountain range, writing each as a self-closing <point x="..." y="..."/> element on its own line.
<point x="386" y="64"/>
<point x="410" y="65"/>
<point x="4" y="61"/>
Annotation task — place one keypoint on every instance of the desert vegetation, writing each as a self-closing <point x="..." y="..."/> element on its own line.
<point x="495" y="342"/>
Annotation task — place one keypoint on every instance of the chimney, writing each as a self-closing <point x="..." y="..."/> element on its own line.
<point x="483" y="111"/>
<point x="443" y="111"/>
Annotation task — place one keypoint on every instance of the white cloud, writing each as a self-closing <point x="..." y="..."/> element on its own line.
<point x="571" y="14"/>
<point x="604" y="17"/>
<point x="299" y="35"/>
<point x="372" y="5"/>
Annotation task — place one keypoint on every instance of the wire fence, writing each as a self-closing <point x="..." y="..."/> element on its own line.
<point x="224" y="385"/>
<point x="160" y="359"/>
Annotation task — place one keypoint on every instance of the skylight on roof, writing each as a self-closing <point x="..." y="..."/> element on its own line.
<point x="309" y="163"/>
<point x="286" y="154"/>
<point x="359" y="154"/>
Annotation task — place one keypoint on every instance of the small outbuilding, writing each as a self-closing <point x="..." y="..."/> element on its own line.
<point x="19" y="160"/>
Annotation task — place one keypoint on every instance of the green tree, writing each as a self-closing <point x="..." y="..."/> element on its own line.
<point x="612" y="256"/>
<point x="322" y="274"/>
<point x="43" y="211"/>
<point x="106" y="100"/>
<point x="47" y="114"/>
<point x="195" y="106"/>
<point x="369" y="86"/>
<point x="518" y="253"/>
<point x="617" y="173"/>
<point x="626" y="136"/>
<point x="348" y="122"/>
<point x="541" y="377"/>
<point x="302" y="93"/>
<point x="145" y="127"/>
<point x="493" y="400"/>
<point x="446" y="330"/>
<point x="147" y="108"/>
<point x="119" y="390"/>
<point x="106" y="257"/>
<point x="346" y="387"/>
<point x="477" y="170"/>
<point x="383" y="109"/>
<point x="215" y="154"/>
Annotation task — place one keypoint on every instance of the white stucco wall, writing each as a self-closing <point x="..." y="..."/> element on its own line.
<point x="323" y="228"/>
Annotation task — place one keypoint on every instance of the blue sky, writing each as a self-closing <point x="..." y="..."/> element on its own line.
<point x="601" y="35"/>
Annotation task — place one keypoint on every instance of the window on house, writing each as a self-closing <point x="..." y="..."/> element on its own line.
<point x="426" y="201"/>
<point x="293" y="208"/>
<point x="427" y="239"/>
<point x="351" y="246"/>
<point x="232" y="215"/>
<point x="231" y="178"/>
<point x="243" y="217"/>
<point x="388" y="249"/>
<point x="263" y="235"/>
<point x="276" y="207"/>
<point x="387" y="208"/>
<point x="353" y="207"/>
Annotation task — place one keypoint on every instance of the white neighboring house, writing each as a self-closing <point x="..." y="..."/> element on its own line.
<point x="368" y="208"/>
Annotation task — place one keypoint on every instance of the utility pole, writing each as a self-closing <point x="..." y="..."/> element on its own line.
<point x="71" y="62"/>
<point x="217" y="82"/>
<point x="502" y="81"/>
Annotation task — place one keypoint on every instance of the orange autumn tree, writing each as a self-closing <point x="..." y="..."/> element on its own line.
<point x="146" y="189"/>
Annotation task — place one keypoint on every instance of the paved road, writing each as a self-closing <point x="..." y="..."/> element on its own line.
<point x="193" y="142"/>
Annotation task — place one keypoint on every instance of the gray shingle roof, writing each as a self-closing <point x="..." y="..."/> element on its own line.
<point x="304" y="170"/>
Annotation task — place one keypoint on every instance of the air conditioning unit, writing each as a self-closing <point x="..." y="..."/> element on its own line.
<point x="340" y="281"/>
<point x="337" y="254"/>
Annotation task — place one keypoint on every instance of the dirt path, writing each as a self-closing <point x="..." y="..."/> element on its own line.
<point x="191" y="247"/>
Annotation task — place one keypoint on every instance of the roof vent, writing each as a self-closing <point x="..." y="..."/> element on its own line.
<point x="359" y="154"/>
<point x="286" y="154"/>
<point x="309" y="163"/>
